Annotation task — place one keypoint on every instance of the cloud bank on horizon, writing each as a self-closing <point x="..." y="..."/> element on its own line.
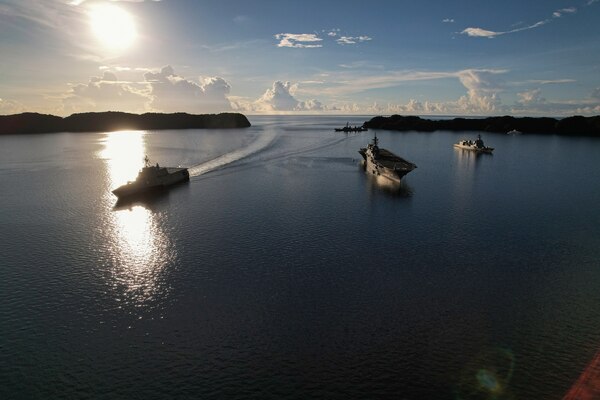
<point x="259" y="60"/>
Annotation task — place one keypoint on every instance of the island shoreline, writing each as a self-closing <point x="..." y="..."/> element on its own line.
<point x="110" y="121"/>
<point x="569" y="126"/>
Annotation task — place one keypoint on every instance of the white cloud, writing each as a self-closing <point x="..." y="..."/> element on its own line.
<point x="419" y="108"/>
<point x="308" y="40"/>
<point x="350" y="108"/>
<point x="478" y="32"/>
<point x="483" y="87"/>
<point x="352" y="39"/>
<point x="298" y="40"/>
<point x="482" y="97"/>
<point x="310" y="105"/>
<point x="348" y="81"/>
<point x="172" y="93"/>
<point x="551" y="81"/>
<point x="280" y="97"/>
<point x="161" y="91"/>
<point x="106" y="93"/>
<point x="10" y="107"/>
<point x="448" y="20"/>
<point x="531" y="97"/>
<point x="562" y="11"/>
<point x="541" y="106"/>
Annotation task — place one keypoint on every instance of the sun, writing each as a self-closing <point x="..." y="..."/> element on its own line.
<point x="112" y="26"/>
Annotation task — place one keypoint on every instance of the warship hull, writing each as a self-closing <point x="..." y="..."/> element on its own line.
<point x="474" y="145"/>
<point x="386" y="164"/>
<point x="165" y="178"/>
<point x="488" y="150"/>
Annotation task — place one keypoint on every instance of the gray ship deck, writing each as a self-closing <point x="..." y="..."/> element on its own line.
<point x="389" y="160"/>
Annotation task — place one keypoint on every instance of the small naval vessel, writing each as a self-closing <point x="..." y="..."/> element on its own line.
<point x="475" y="145"/>
<point x="382" y="162"/>
<point x="349" y="128"/>
<point x="152" y="178"/>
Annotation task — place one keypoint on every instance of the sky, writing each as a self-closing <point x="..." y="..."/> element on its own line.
<point x="438" y="57"/>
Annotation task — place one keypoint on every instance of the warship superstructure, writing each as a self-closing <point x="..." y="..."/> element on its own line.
<point x="152" y="178"/>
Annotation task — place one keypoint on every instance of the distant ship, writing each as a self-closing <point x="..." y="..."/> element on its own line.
<point x="349" y="128"/>
<point x="152" y="178"/>
<point x="382" y="162"/>
<point x="474" y="145"/>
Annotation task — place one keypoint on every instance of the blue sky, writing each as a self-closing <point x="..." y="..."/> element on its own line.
<point x="335" y="57"/>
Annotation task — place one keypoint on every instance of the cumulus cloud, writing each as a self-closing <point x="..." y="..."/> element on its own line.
<point x="448" y="20"/>
<point x="106" y="93"/>
<point x="161" y="91"/>
<point x="483" y="87"/>
<point x="352" y="39"/>
<point x="172" y="93"/>
<point x="531" y="97"/>
<point x="280" y="97"/>
<point x="10" y="107"/>
<point x="482" y="97"/>
<point x="298" y="40"/>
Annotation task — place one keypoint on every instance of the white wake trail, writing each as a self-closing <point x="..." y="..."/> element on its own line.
<point x="263" y="141"/>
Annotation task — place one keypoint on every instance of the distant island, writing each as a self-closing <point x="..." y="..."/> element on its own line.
<point x="115" y="121"/>
<point x="571" y="126"/>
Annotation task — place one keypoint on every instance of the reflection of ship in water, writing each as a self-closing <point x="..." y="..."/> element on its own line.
<point x="152" y="178"/>
<point x="380" y="184"/>
<point x="149" y="200"/>
<point x="474" y="145"/>
<point x="382" y="162"/>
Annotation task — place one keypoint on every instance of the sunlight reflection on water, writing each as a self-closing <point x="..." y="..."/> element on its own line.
<point x="141" y="251"/>
<point x="139" y="248"/>
<point x="124" y="153"/>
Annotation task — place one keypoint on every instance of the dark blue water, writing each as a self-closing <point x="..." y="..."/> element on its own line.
<point x="283" y="271"/>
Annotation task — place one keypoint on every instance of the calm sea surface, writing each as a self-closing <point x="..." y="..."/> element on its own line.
<point x="283" y="271"/>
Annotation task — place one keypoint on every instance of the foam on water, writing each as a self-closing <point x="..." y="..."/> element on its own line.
<point x="264" y="140"/>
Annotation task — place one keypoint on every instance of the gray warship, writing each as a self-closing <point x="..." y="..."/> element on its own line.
<point x="474" y="145"/>
<point x="152" y="178"/>
<point x="382" y="162"/>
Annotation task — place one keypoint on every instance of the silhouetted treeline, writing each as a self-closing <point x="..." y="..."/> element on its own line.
<point x="573" y="126"/>
<point x="115" y="121"/>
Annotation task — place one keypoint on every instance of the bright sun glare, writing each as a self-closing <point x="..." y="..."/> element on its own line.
<point x="113" y="26"/>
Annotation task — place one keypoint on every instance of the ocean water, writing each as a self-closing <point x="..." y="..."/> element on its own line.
<point x="283" y="271"/>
